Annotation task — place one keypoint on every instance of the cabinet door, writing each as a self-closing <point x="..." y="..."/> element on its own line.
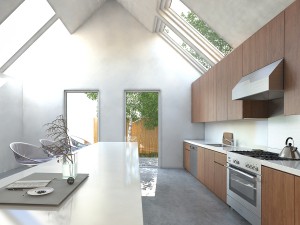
<point x="265" y="46"/>
<point x="291" y="62"/>
<point x="221" y="90"/>
<point x="277" y="197"/>
<point x="209" y="169"/>
<point x="297" y="200"/>
<point x="210" y="95"/>
<point x="220" y="181"/>
<point x="196" y="101"/>
<point x="201" y="160"/>
<point x="186" y="159"/>
<point x="234" y="74"/>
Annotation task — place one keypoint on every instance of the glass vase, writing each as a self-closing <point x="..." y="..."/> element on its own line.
<point x="69" y="165"/>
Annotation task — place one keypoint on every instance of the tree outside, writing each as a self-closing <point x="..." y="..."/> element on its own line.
<point x="207" y="32"/>
<point x="142" y="111"/>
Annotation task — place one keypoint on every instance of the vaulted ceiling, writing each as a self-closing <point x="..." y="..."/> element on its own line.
<point x="233" y="20"/>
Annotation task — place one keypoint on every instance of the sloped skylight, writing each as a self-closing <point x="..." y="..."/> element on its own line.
<point x="21" y="25"/>
<point x="198" y="43"/>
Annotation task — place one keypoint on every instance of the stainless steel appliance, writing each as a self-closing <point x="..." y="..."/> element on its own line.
<point x="244" y="182"/>
<point x="193" y="160"/>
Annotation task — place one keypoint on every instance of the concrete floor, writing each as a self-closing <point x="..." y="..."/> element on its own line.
<point x="180" y="199"/>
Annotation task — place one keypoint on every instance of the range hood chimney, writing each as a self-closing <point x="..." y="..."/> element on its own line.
<point x="263" y="84"/>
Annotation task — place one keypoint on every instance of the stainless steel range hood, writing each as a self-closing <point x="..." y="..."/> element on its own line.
<point x="263" y="84"/>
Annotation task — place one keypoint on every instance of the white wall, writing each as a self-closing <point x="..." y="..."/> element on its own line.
<point x="269" y="134"/>
<point x="247" y="133"/>
<point x="10" y="119"/>
<point x="111" y="52"/>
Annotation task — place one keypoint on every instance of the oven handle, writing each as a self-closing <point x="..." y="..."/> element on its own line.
<point x="241" y="172"/>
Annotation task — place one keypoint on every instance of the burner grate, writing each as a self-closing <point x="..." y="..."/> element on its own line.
<point x="261" y="154"/>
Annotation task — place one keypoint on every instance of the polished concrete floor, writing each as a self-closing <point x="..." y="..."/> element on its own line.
<point x="177" y="198"/>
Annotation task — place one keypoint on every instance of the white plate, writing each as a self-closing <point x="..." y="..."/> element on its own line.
<point x="40" y="191"/>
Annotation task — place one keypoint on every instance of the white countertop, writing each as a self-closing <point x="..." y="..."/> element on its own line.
<point x="288" y="166"/>
<point x="111" y="195"/>
<point x="204" y="144"/>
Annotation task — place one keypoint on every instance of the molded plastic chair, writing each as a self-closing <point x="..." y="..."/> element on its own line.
<point x="28" y="154"/>
<point x="78" y="142"/>
<point x="46" y="142"/>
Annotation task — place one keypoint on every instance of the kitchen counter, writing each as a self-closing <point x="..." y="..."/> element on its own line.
<point x="205" y="144"/>
<point x="111" y="195"/>
<point x="288" y="166"/>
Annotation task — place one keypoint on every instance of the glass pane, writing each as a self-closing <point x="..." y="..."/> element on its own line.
<point x="191" y="18"/>
<point x="190" y="51"/>
<point x="21" y="25"/>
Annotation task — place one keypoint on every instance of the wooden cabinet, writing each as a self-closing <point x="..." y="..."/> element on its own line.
<point x="220" y="176"/>
<point x="201" y="162"/>
<point x="186" y="157"/>
<point x="278" y="197"/>
<point x="265" y="46"/>
<point x="212" y="93"/>
<point x="196" y="100"/>
<point x="204" y="97"/>
<point x="291" y="62"/>
<point x="297" y="200"/>
<point x="209" y="169"/>
<point x="221" y="90"/>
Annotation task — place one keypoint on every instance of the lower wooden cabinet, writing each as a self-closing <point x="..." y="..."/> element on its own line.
<point x="278" y="197"/>
<point x="220" y="176"/>
<point x="200" y="161"/>
<point x="209" y="169"/>
<point x="186" y="157"/>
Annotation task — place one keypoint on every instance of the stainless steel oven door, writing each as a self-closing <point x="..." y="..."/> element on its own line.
<point x="245" y="188"/>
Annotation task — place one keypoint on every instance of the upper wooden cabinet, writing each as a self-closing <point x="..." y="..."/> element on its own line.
<point x="221" y="90"/>
<point x="204" y="97"/>
<point x="212" y="93"/>
<point x="265" y="46"/>
<point x="291" y="62"/>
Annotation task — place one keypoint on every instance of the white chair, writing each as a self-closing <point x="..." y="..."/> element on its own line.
<point x="28" y="154"/>
<point x="46" y="143"/>
<point x="77" y="142"/>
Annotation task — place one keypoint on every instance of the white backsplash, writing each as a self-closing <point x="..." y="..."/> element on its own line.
<point x="263" y="134"/>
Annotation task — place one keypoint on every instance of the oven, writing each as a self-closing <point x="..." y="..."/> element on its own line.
<point x="244" y="190"/>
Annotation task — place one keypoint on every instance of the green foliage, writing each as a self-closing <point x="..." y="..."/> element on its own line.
<point x="207" y="32"/>
<point x="92" y="95"/>
<point x="149" y="155"/>
<point x="142" y="105"/>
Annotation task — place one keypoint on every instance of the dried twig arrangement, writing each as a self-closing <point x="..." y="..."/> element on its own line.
<point x="58" y="131"/>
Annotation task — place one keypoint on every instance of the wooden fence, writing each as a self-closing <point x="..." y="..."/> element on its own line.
<point x="147" y="139"/>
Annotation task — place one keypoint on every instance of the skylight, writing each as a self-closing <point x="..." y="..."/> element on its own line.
<point x="192" y="19"/>
<point x="202" y="46"/>
<point x="185" y="47"/>
<point x="21" y="25"/>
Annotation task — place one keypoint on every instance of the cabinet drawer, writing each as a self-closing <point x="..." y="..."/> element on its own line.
<point x="220" y="158"/>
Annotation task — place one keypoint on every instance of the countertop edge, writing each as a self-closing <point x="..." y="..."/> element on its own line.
<point x="204" y="144"/>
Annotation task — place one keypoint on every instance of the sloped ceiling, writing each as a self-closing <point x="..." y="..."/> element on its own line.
<point x="73" y="13"/>
<point x="7" y="7"/>
<point x="234" y="20"/>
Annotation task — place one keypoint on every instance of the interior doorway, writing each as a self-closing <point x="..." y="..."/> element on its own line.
<point x="82" y="115"/>
<point x="142" y="124"/>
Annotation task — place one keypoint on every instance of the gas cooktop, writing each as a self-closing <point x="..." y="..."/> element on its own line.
<point x="261" y="154"/>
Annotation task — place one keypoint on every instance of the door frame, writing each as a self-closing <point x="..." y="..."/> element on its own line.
<point x="83" y="91"/>
<point x="159" y="119"/>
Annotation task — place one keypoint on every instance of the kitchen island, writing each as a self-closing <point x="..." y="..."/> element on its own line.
<point x="111" y="195"/>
